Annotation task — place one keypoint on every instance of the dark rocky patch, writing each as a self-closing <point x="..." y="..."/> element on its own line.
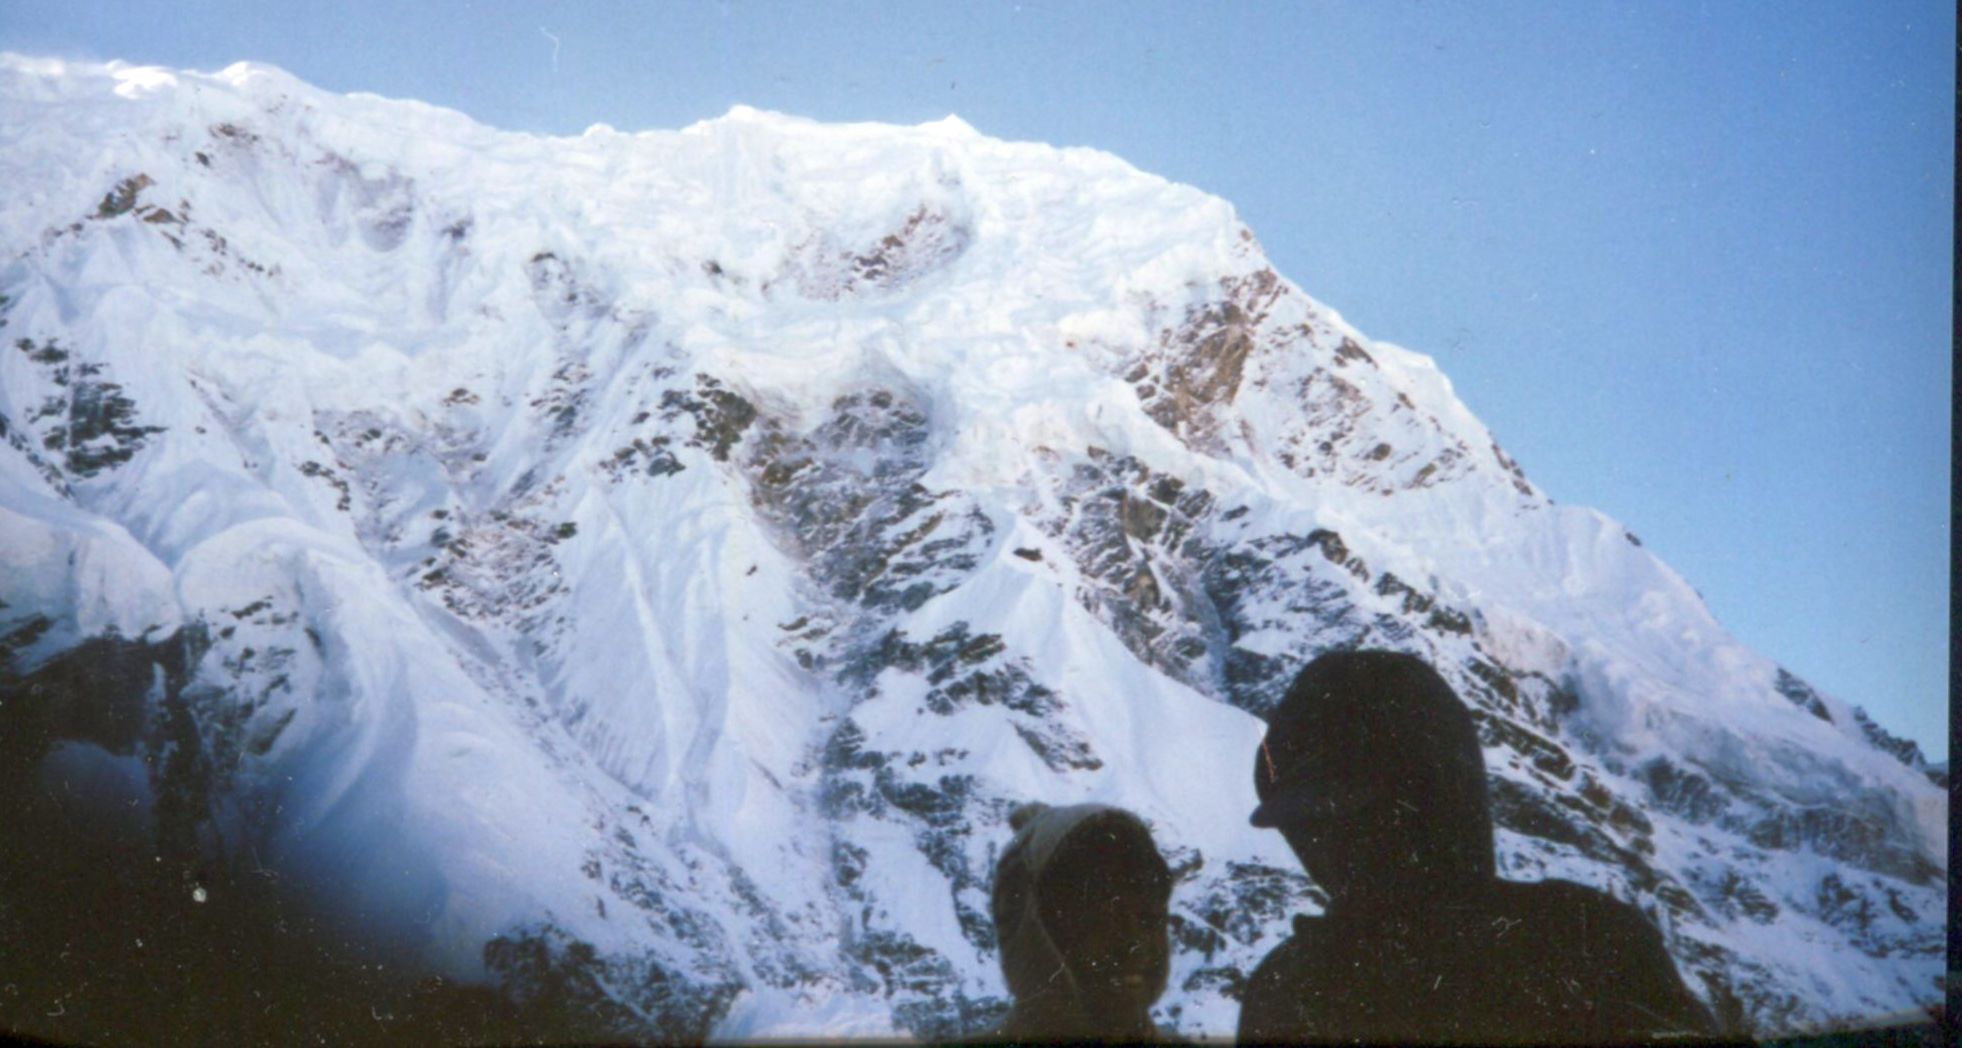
<point x="1198" y="365"/>
<point x="720" y="415"/>
<point x="1541" y="752"/>
<point x="1527" y="811"/>
<point x="1856" y="833"/>
<point x="311" y="468"/>
<point x="1904" y="750"/>
<point x="1348" y="351"/>
<point x="91" y="425"/>
<point x="1135" y="536"/>
<point x="927" y="241"/>
<point x="645" y="455"/>
<point x="1742" y="898"/>
<point x="1801" y="695"/>
<point x="561" y="984"/>
<point x="120" y="200"/>
<point x="846" y="498"/>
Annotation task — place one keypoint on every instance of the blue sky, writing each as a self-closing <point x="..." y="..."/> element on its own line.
<point x="1689" y="261"/>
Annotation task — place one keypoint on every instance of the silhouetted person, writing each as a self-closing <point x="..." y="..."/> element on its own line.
<point x="1371" y="769"/>
<point x="1079" y="902"/>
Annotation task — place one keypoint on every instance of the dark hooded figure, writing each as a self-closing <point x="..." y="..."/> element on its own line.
<point x="1371" y="769"/>
<point x="1079" y="902"/>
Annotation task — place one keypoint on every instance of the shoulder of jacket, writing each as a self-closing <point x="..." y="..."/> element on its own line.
<point x="1594" y="913"/>
<point x="1272" y="988"/>
<point x="1290" y="953"/>
<point x="1566" y="895"/>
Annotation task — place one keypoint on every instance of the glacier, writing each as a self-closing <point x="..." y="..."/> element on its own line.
<point x="667" y="557"/>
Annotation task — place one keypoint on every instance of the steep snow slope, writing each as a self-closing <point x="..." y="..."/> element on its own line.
<point x="667" y="558"/>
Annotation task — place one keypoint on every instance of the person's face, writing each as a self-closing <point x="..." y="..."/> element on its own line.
<point x="1351" y="834"/>
<point x="1110" y="925"/>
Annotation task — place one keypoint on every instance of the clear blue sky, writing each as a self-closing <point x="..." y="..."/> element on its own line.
<point x="1689" y="261"/>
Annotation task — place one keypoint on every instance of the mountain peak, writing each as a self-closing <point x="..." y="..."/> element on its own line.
<point x="949" y="127"/>
<point x="260" y="75"/>
<point x="740" y="113"/>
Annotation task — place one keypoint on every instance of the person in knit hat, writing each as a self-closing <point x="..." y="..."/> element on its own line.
<point x="1371" y="769"/>
<point x="1080" y="901"/>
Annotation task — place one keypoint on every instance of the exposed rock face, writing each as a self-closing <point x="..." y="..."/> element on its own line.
<point x="1195" y="368"/>
<point x="644" y="572"/>
<point x="86" y="421"/>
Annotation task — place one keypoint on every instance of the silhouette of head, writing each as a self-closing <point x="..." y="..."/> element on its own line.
<point x="1080" y="900"/>
<point x="1371" y="769"/>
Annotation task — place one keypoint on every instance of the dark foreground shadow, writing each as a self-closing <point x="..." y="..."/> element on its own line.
<point x="118" y="927"/>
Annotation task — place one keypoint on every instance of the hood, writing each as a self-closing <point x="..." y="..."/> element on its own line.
<point x="1052" y="905"/>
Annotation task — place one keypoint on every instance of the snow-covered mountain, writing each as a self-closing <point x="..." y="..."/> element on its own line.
<point x="658" y="562"/>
